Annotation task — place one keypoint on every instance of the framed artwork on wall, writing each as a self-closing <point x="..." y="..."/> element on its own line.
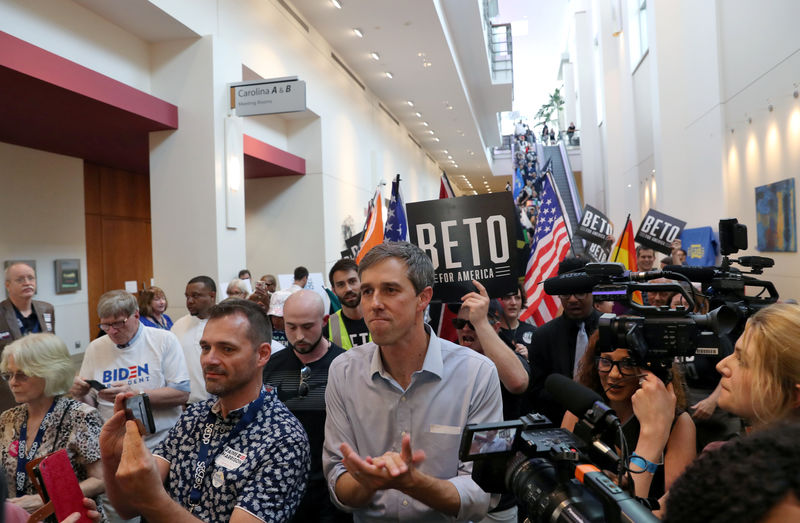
<point x="775" y="217"/>
<point x="68" y="275"/>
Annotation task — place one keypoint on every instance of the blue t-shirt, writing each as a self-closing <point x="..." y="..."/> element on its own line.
<point x="700" y="245"/>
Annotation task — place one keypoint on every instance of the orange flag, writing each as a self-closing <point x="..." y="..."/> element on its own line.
<point x="374" y="233"/>
<point x="625" y="249"/>
<point x="625" y="253"/>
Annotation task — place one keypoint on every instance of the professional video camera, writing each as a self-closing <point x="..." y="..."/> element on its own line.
<point x="550" y="470"/>
<point x="729" y="286"/>
<point x="655" y="335"/>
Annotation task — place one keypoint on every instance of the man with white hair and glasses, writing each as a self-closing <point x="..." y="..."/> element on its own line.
<point x="133" y="358"/>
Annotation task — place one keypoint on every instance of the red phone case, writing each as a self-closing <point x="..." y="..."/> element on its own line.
<point x="62" y="486"/>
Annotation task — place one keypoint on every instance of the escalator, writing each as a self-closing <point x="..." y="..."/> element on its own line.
<point x="565" y="183"/>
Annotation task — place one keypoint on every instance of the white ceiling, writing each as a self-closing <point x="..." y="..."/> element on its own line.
<point x="407" y="35"/>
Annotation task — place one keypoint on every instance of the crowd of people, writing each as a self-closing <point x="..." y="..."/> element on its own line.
<point x="270" y="406"/>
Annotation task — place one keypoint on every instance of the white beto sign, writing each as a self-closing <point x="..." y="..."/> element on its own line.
<point x="278" y="95"/>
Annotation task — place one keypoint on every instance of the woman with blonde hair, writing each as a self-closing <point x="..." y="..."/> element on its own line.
<point x="39" y="372"/>
<point x="152" y="309"/>
<point x="761" y="379"/>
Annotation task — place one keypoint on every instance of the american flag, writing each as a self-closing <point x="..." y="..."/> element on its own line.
<point x="549" y="248"/>
<point x="396" y="224"/>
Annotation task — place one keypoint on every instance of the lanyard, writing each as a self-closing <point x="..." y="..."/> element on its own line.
<point x="203" y="458"/>
<point x="24" y="456"/>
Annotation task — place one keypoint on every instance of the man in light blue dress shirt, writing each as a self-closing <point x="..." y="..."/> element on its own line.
<point x="406" y="387"/>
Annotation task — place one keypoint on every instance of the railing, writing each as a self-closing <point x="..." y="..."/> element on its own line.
<point x="501" y="52"/>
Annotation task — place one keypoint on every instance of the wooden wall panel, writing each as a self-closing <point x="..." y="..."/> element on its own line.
<point x="118" y="234"/>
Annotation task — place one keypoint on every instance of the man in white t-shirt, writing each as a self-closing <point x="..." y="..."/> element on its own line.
<point x="201" y="294"/>
<point x="131" y="357"/>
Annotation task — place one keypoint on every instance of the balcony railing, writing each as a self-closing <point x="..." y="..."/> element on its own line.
<point x="501" y="53"/>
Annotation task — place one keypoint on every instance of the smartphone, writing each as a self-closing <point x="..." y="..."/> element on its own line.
<point x="61" y="485"/>
<point x="96" y="385"/>
<point x="137" y="408"/>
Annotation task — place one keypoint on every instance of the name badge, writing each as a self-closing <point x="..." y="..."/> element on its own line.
<point x="48" y="317"/>
<point x="230" y="459"/>
<point x="5" y="335"/>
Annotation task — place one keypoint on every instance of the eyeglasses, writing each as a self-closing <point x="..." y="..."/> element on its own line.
<point x="627" y="367"/>
<point x="459" y="324"/>
<point x="18" y="376"/>
<point x="578" y="295"/>
<point x="303" y="388"/>
<point x="22" y="279"/>
<point x="105" y="327"/>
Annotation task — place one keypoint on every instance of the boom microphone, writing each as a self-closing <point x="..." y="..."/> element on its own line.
<point x="570" y="283"/>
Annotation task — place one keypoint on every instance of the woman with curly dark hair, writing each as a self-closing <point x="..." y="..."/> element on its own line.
<point x="653" y="416"/>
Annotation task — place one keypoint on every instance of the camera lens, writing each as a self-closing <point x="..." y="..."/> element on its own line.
<point x="536" y="485"/>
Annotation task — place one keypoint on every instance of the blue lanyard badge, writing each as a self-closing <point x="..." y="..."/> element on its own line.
<point x="24" y="456"/>
<point x="203" y="458"/>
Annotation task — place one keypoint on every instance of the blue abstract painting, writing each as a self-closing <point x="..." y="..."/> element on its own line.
<point x="775" y="217"/>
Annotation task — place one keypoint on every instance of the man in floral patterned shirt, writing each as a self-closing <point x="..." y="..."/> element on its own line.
<point x="242" y="457"/>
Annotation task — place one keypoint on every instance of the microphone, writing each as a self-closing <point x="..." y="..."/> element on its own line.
<point x="698" y="274"/>
<point x="583" y="402"/>
<point x="570" y="283"/>
<point x="570" y="394"/>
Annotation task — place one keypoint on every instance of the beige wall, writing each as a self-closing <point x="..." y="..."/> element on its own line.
<point x="41" y="207"/>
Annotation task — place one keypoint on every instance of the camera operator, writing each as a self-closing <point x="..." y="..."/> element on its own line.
<point x="654" y="420"/>
<point x="558" y="345"/>
<point x="477" y="326"/>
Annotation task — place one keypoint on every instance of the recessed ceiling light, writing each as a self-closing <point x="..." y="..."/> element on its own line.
<point x="444" y="151"/>
<point x="419" y="115"/>
<point x="358" y="32"/>
<point x="429" y="131"/>
<point x="410" y="103"/>
<point x="449" y="157"/>
<point x="436" y="140"/>
<point x="455" y="165"/>
<point x="450" y="107"/>
<point x="375" y="56"/>
<point x="337" y="4"/>
<point x="389" y="75"/>
<point x="426" y="124"/>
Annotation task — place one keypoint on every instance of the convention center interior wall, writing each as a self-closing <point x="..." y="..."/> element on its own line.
<point x="656" y="129"/>
<point x="348" y="142"/>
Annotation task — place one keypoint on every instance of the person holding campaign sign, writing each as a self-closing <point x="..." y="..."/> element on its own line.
<point x="598" y="230"/>
<point x="658" y="231"/>
<point x="467" y="238"/>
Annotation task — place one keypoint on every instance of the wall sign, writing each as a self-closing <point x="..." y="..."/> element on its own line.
<point x="278" y="95"/>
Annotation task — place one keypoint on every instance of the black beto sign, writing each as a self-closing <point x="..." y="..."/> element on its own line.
<point x="659" y="230"/>
<point x="596" y="228"/>
<point x="352" y="244"/>
<point x="467" y="238"/>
